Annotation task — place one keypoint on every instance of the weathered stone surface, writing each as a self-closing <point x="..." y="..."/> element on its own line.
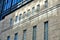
<point x="53" y="18"/>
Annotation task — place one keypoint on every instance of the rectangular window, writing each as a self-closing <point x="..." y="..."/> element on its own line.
<point x="10" y="22"/>
<point x="24" y="35"/>
<point x="46" y="3"/>
<point x="16" y="19"/>
<point x="20" y="16"/>
<point x="16" y="36"/>
<point x="8" y="38"/>
<point x="34" y="33"/>
<point x="38" y="7"/>
<point x="28" y="12"/>
<point x="33" y="9"/>
<point x="24" y="14"/>
<point x="46" y="30"/>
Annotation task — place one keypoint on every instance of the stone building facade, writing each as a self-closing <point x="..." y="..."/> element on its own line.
<point x="38" y="20"/>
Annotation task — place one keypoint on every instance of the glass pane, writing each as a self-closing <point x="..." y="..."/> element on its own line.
<point x="24" y="35"/>
<point x="38" y="7"/>
<point x="16" y="36"/>
<point x="34" y="32"/>
<point x="46" y="3"/>
<point x="20" y="17"/>
<point x="8" y="38"/>
<point x="11" y="22"/>
<point x="16" y="19"/>
<point x="28" y="12"/>
<point x="14" y="2"/>
<point x="33" y="9"/>
<point x="7" y="4"/>
<point x="19" y="1"/>
<point x="46" y="30"/>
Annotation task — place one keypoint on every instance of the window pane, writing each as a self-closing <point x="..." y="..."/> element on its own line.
<point x="5" y="7"/>
<point x="7" y="4"/>
<point x="24" y="35"/>
<point x="28" y="12"/>
<point x="38" y="7"/>
<point x="8" y="38"/>
<point x="11" y="22"/>
<point x="20" y="16"/>
<point x="16" y="36"/>
<point x="46" y="30"/>
<point x="46" y="3"/>
<point x="33" y="9"/>
<point x="6" y="1"/>
<point x="19" y="1"/>
<point x="24" y="14"/>
<point x="16" y="19"/>
<point x="14" y="2"/>
<point x="34" y="33"/>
